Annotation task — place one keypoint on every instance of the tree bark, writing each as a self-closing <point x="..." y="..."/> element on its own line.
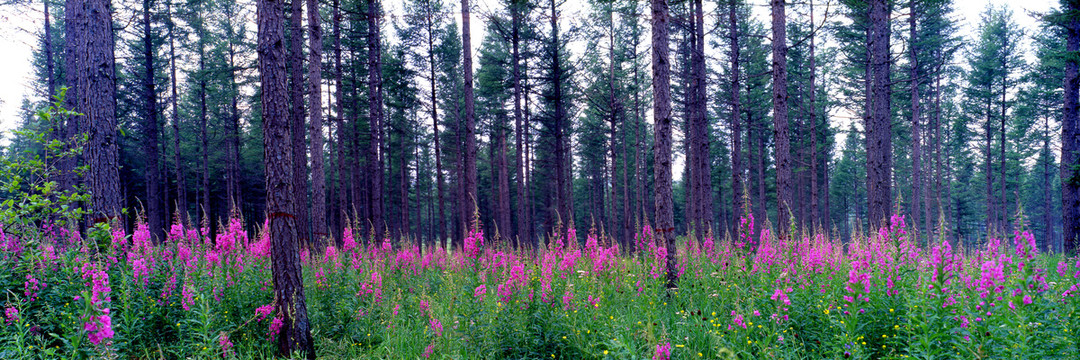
<point x="814" y="220"/>
<point x="154" y="213"/>
<point x="661" y="68"/>
<point x="315" y="120"/>
<point x="178" y="167"/>
<point x="204" y="143"/>
<point x="295" y="66"/>
<point x="74" y="26"/>
<point x="879" y="131"/>
<point x="782" y="148"/>
<point x="737" y="206"/>
<point x="522" y="224"/>
<point x="1070" y="139"/>
<point x="562" y="192"/>
<point x="700" y="170"/>
<point x="295" y="333"/>
<point x="97" y="101"/>
<point x="916" y="120"/>
<point x="232" y="134"/>
<point x="341" y="138"/>
<point x="430" y="18"/>
<point x="375" y="111"/>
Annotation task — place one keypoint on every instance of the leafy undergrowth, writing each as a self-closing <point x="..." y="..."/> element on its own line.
<point x="879" y="297"/>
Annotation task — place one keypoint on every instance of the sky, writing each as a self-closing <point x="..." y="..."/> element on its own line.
<point x="19" y="25"/>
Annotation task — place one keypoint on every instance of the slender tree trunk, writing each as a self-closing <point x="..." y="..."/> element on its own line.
<point x="615" y="106"/>
<point x="154" y="213"/>
<point x="700" y="170"/>
<point x="737" y="186"/>
<point x="74" y="23"/>
<point x="295" y="333"/>
<point x="470" y="112"/>
<point x="403" y="191"/>
<point x="661" y="68"/>
<point x="232" y="141"/>
<point x="879" y="134"/>
<point x="988" y="132"/>
<point x="814" y="156"/>
<point x="339" y="110"/>
<point x="375" y="111"/>
<point x="1003" y="201"/>
<point x="529" y="210"/>
<point x="522" y="224"/>
<point x="763" y="215"/>
<point x="435" y="126"/>
<point x="1070" y="138"/>
<point x="1048" y="225"/>
<point x="181" y="185"/>
<point x="916" y="120"/>
<point x="204" y="144"/>
<point x="781" y="138"/>
<point x="315" y="120"/>
<point x="941" y="210"/>
<point x="295" y="67"/>
<point x="562" y="192"/>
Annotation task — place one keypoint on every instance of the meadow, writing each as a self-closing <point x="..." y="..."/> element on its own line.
<point x="888" y="295"/>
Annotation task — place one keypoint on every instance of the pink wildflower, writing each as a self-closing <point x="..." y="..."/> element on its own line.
<point x="663" y="351"/>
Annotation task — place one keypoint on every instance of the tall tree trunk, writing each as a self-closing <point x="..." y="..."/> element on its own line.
<point x="178" y="167"/>
<point x="315" y="120"/>
<point x="74" y="23"/>
<point x="988" y="132"/>
<point x="375" y="111"/>
<point x="50" y="81"/>
<point x="435" y="126"/>
<point x="204" y="143"/>
<point x="1047" y="237"/>
<point x="762" y="214"/>
<point x="295" y="333"/>
<point x="529" y="210"/>
<point x="661" y="68"/>
<point x="1003" y="202"/>
<point x="701" y="184"/>
<point x="879" y="131"/>
<point x="56" y="132"/>
<point x="339" y="110"/>
<point x="232" y="141"/>
<point x="403" y="191"/>
<point x="916" y="120"/>
<point x="503" y="178"/>
<point x="815" y="221"/>
<point x="562" y="186"/>
<point x="295" y="66"/>
<point x="1070" y="138"/>
<point x="522" y="224"/>
<point x="737" y="187"/>
<point x="782" y="148"/>
<point x="97" y="101"/>
<point x="470" y="112"/>
<point x="615" y="105"/>
<point x="154" y="213"/>
<point x="938" y="175"/>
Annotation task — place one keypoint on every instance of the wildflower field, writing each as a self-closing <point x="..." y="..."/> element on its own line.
<point x="885" y="296"/>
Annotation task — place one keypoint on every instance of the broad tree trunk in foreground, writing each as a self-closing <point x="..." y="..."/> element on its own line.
<point x="289" y="299"/>
<point x="782" y="148"/>
<point x="1070" y="138"/>
<point x="661" y="69"/>
<point x="97" y="101"/>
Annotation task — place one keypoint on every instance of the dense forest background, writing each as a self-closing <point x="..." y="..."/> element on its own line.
<point x="879" y="107"/>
